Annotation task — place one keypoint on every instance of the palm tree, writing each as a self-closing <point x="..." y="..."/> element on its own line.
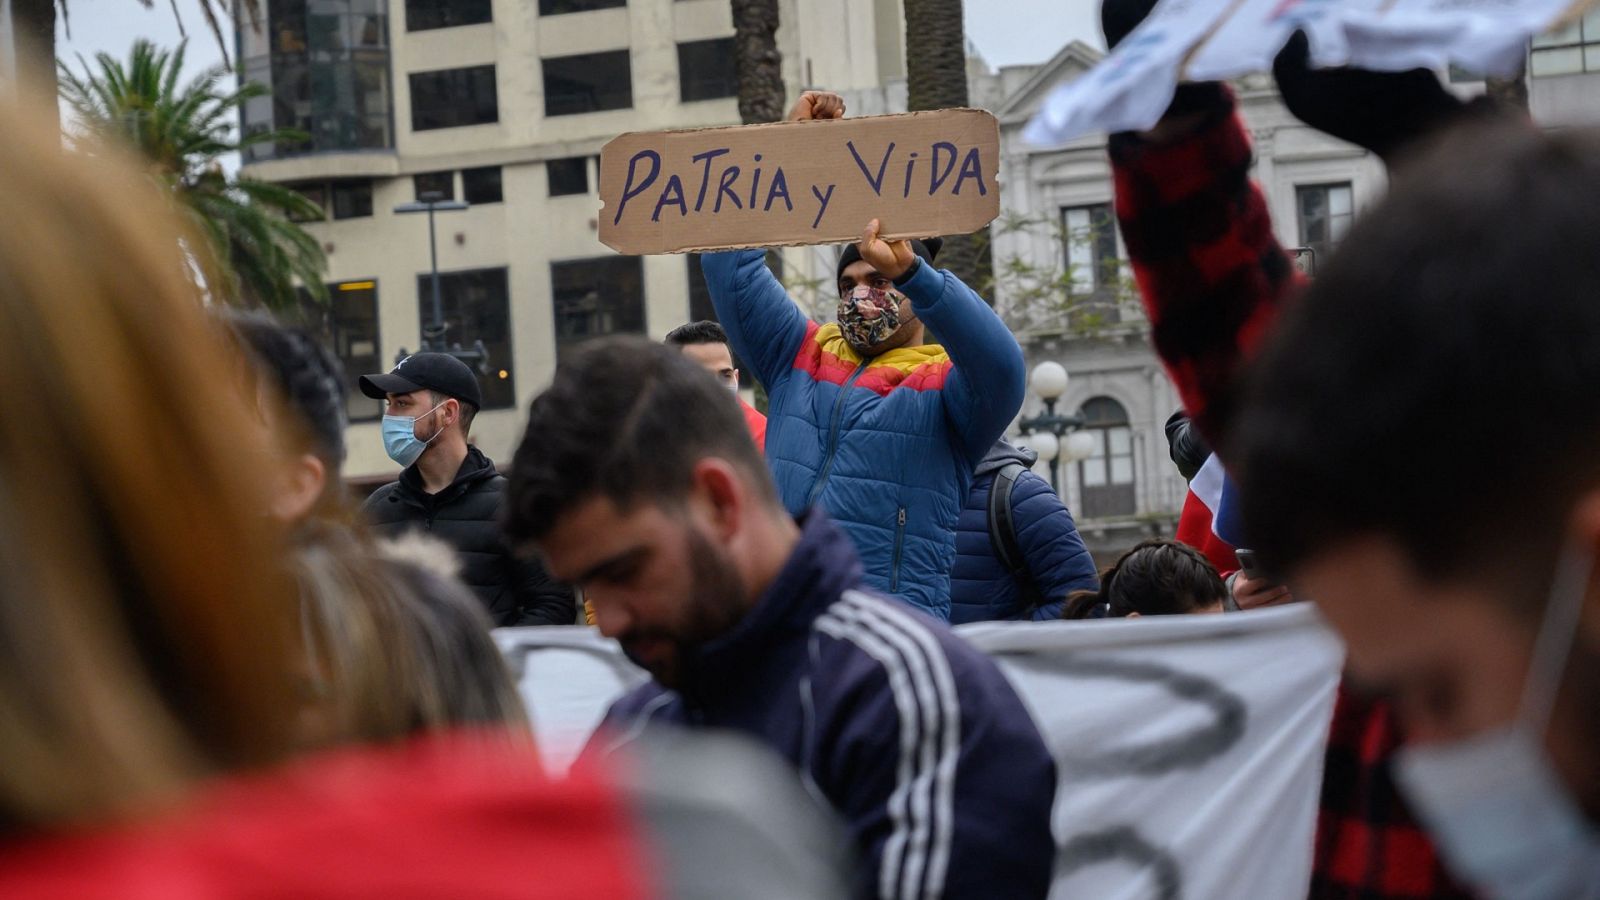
<point x="757" y="61"/>
<point x="936" y="78"/>
<point x="253" y="252"/>
<point x="35" y="22"/>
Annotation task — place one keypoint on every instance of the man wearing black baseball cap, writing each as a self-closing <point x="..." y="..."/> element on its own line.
<point x="450" y="489"/>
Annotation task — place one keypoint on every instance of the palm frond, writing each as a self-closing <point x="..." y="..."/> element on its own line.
<point x="251" y="251"/>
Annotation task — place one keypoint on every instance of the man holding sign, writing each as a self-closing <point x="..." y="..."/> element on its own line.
<point x="866" y="419"/>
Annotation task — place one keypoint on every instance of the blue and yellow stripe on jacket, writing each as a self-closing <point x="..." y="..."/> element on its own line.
<point x="883" y="468"/>
<point x="886" y="446"/>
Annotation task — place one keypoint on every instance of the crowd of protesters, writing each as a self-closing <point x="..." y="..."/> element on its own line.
<point x="224" y="678"/>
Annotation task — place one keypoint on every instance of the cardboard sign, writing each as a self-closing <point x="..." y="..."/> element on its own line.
<point x="814" y="182"/>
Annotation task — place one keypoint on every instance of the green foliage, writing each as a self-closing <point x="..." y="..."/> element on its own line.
<point x="253" y="253"/>
<point x="1058" y="298"/>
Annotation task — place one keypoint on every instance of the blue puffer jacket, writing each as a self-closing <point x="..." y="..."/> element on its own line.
<point x="886" y="445"/>
<point x="981" y="587"/>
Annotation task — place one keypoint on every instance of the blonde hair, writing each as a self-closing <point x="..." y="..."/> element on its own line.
<point x="146" y="624"/>
<point x="399" y="646"/>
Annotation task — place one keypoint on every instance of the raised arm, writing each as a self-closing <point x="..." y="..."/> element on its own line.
<point x="764" y="326"/>
<point x="984" y="389"/>
<point x="1211" y="274"/>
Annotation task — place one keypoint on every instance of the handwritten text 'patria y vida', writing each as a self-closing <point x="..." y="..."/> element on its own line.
<point x="724" y="184"/>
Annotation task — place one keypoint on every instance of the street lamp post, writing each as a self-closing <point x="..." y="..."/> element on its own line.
<point x="1046" y="430"/>
<point x="433" y="337"/>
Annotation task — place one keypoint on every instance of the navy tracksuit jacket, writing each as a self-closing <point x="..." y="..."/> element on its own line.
<point x="915" y="738"/>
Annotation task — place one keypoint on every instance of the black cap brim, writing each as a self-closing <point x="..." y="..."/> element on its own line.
<point x="380" y="386"/>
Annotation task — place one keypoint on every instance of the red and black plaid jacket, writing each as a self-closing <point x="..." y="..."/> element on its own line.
<point x="1213" y="279"/>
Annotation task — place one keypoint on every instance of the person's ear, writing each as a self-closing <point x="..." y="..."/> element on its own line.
<point x="299" y="488"/>
<point x="722" y="492"/>
<point x="735" y="377"/>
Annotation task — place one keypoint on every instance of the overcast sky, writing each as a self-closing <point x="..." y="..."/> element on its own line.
<point x="1029" y="31"/>
<point x="111" y="26"/>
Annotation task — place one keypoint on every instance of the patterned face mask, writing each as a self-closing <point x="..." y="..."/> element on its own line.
<point x="868" y="315"/>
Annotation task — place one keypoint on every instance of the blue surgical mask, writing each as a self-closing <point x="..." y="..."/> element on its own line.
<point x="400" y="438"/>
<point x="1493" y="803"/>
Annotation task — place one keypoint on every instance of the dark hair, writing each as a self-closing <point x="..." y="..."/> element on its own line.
<point x="1466" y="306"/>
<point x="304" y="373"/>
<point x="468" y="411"/>
<point x="704" y="331"/>
<point x="625" y="418"/>
<point x="1157" y="577"/>
<point x="925" y="249"/>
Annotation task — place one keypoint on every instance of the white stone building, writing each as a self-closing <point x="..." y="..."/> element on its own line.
<point x="506" y="105"/>
<point x="1314" y="185"/>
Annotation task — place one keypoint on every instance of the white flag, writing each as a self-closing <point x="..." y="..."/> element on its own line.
<point x="1189" y="748"/>
<point x="1204" y="40"/>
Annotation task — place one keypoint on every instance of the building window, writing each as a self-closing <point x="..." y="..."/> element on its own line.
<point x="567" y="176"/>
<point x="1326" y="211"/>
<point x="1106" y="477"/>
<point x="1573" y="49"/>
<point x="480" y="186"/>
<point x="588" y="83"/>
<point x="317" y="193"/>
<point x="423" y="15"/>
<point x="451" y="98"/>
<point x="441" y="183"/>
<point x="1089" y="239"/>
<point x="477" y="307"/>
<point x="352" y="199"/>
<point x="560" y="7"/>
<point x="348" y="326"/>
<point x="353" y="330"/>
<point x="597" y="296"/>
<point x="706" y="71"/>
<point x="326" y="64"/>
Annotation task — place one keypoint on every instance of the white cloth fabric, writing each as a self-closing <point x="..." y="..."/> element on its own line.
<point x="568" y="677"/>
<point x="1205" y="40"/>
<point x="1189" y="748"/>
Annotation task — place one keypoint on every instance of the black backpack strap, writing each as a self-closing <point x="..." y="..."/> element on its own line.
<point x="1003" y="532"/>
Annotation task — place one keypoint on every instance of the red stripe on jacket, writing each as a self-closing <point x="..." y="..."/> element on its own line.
<point x="815" y="359"/>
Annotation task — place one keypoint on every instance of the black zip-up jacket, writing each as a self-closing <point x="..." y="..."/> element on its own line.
<point x="466" y="515"/>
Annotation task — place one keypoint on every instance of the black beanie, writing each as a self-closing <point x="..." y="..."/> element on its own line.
<point x="927" y="248"/>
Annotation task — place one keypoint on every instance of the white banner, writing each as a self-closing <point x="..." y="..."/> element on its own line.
<point x="1189" y="748"/>
<point x="1205" y="40"/>
<point x="568" y="677"/>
